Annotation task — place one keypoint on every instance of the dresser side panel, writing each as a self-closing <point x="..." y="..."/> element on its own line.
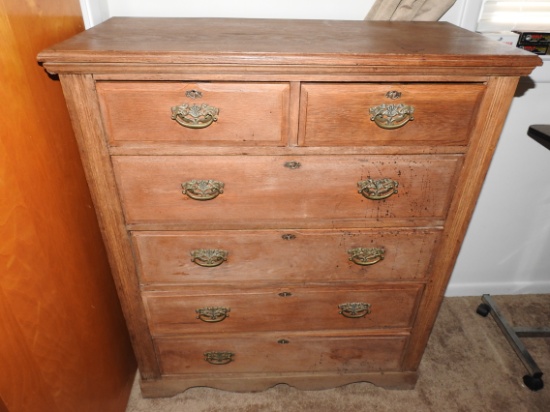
<point x="79" y="91"/>
<point x="490" y="121"/>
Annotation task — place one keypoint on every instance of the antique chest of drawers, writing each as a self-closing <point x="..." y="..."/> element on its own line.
<point x="283" y="201"/>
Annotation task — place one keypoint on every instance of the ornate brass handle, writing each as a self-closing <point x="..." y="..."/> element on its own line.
<point x="366" y="256"/>
<point x="378" y="189"/>
<point x="195" y="116"/>
<point x="354" y="309"/>
<point x="209" y="257"/>
<point x="202" y="189"/>
<point x="391" y="116"/>
<point x="212" y="314"/>
<point x="218" y="358"/>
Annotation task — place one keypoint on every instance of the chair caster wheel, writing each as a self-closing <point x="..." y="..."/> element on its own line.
<point x="534" y="383"/>
<point x="483" y="310"/>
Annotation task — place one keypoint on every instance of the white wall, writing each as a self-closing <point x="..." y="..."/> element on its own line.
<point x="505" y="249"/>
<point x="305" y="9"/>
<point x="94" y="12"/>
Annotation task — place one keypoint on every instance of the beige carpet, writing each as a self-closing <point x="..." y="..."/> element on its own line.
<point x="468" y="366"/>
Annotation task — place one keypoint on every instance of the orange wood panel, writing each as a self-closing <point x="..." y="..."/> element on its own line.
<point x="64" y="345"/>
<point x="3" y="407"/>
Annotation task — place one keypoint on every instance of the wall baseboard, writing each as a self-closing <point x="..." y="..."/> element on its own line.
<point x="494" y="288"/>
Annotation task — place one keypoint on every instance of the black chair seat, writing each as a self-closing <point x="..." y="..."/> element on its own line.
<point x="540" y="133"/>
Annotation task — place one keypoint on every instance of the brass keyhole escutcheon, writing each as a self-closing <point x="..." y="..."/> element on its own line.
<point x="293" y="165"/>
<point x="193" y="94"/>
<point x="393" y="95"/>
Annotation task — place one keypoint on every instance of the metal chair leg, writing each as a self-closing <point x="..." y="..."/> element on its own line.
<point x="534" y="379"/>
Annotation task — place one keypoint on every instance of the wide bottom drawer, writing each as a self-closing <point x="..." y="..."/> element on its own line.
<point x="275" y="353"/>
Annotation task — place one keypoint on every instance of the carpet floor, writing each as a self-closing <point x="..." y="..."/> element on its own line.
<point x="468" y="366"/>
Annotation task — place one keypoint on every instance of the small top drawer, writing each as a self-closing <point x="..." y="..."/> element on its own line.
<point x="195" y="113"/>
<point x="388" y="114"/>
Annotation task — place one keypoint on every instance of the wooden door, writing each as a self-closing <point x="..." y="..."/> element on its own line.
<point x="64" y="344"/>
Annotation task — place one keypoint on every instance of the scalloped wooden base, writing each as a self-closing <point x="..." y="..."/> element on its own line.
<point x="169" y="386"/>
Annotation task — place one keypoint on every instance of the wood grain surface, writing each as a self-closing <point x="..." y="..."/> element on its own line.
<point x="268" y="42"/>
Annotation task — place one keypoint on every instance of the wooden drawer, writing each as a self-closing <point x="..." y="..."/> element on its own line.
<point x="248" y="113"/>
<point x="290" y="255"/>
<point x="339" y="114"/>
<point x="292" y="308"/>
<point x="281" y="352"/>
<point x="276" y="192"/>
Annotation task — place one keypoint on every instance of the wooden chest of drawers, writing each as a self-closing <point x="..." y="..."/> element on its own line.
<point x="283" y="201"/>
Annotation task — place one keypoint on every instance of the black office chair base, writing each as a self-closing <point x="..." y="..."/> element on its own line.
<point x="533" y="380"/>
<point x="534" y="383"/>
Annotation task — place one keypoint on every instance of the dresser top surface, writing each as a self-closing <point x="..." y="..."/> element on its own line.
<point x="267" y="42"/>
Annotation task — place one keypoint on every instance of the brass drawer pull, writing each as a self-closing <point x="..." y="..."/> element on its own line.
<point x="391" y="116"/>
<point x="195" y="116"/>
<point x="218" y="358"/>
<point x="366" y="256"/>
<point x="209" y="257"/>
<point x="202" y="189"/>
<point x="378" y="189"/>
<point x="212" y="314"/>
<point x="354" y="309"/>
